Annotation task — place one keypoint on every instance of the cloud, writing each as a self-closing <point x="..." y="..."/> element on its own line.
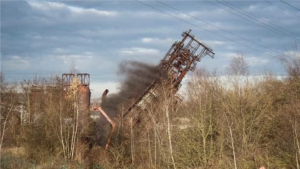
<point x="81" y="61"/>
<point x="92" y="11"/>
<point x="85" y="62"/>
<point x="157" y="41"/>
<point x="16" y="63"/>
<point x="48" y="6"/>
<point x="60" y="50"/>
<point x="213" y="43"/>
<point x="137" y="51"/>
<point x="98" y="35"/>
<point x="69" y="58"/>
<point x="255" y="61"/>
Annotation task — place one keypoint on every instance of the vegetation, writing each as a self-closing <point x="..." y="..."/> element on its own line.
<point x="239" y="122"/>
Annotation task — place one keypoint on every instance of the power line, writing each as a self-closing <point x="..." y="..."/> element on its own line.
<point x="266" y="22"/>
<point x="202" y="28"/>
<point x="216" y="26"/>
<point x="290" y="5"/>
<point x="262" y="25"/>
<point x="281" y="8"/>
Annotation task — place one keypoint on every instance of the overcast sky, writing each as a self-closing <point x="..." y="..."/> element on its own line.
<point x="46" y="37"/>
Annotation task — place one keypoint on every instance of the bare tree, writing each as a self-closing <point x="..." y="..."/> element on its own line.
<point x="69" y="122"/>
<point x="291" y="62"/>
<point x="238" y="66"/>
<point x="7" y="106"/>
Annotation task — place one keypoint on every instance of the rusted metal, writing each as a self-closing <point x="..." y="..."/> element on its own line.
<point x="83" y="79"/>
<point x="84" y="97"/>
<point x="110" y="121"/>
<point x="83" y="87"/>
<point x="181" y="58"/>
<point x="67" y="79"/>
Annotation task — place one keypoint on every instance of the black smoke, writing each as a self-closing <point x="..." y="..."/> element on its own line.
<point x="136" y="78"/>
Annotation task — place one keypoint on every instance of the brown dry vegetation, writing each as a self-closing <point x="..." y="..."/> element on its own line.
<point x="242" y="122"/>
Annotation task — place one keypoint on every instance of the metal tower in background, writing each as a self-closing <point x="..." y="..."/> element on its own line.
<point x="83" y="87"/>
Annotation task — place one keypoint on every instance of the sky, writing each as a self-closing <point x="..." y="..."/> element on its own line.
<point x="43" y="38"/>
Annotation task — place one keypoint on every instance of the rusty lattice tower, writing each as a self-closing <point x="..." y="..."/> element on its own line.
<point x="181" y="58"/>
<point x="83" y="87"/>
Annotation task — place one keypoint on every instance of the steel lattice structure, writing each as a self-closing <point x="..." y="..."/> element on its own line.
<point x="181" y="58"/>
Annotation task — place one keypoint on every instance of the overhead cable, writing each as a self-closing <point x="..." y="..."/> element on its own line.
<point x="290" y="5"/>
<point x="216" y="26"/>
<point x="265" y="21"/>
<point x="262" y="24"/>
<point x="281" y="8"/>
<point x="204" y="28"/>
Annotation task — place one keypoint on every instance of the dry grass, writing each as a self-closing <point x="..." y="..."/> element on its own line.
<point x="14" y="151"/>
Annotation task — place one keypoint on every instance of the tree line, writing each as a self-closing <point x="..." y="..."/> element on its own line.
<point x="239" y="121"/>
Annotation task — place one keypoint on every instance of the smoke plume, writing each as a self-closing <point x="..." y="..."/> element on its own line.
<point x="137" y="77"/>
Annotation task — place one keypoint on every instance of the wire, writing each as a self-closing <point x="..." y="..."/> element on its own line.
<point x="265" y="21"/>
<point x="290" y="5"/>
<point x="244" y="17"/>
<point x="216" y="26"/>
<point x="202" y="28"/>
<point x="262" y="25"/>
<point x="281" y="8"/>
